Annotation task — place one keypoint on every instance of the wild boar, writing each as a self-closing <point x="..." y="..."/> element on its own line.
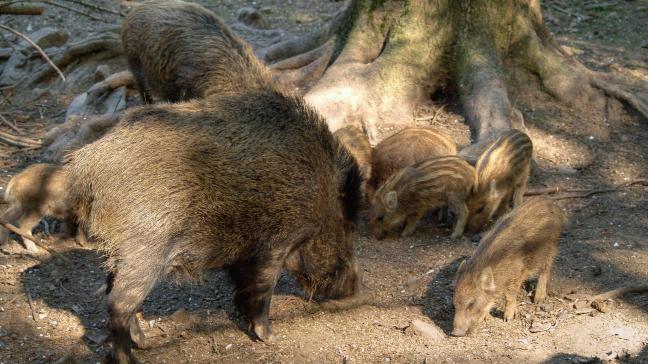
<point x="404" y="148"/>
<point x="404" y="198"/>
<point x="38" y="191"/>
<point x="249" y="182"/>
<point x="502" y="172"/>
<point x="357" y="142"/>
<point x="523" y="243"/>
<point x="180" y="51"/>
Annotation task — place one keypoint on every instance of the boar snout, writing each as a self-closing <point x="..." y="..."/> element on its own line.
<point x="379" y="234"/>
<point x="459" y="332"/>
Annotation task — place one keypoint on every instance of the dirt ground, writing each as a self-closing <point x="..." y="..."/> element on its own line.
<point x="52" y="311"/>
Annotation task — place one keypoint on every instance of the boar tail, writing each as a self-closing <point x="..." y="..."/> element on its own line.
<point x="349" y="187"/>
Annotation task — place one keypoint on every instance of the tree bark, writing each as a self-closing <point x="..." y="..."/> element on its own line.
<point x="378" y="59"/>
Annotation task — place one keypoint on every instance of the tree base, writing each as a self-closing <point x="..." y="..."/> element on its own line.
<point x="378" y="60"/>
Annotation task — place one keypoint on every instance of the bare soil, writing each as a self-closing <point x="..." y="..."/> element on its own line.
<point x="53" y="311"/>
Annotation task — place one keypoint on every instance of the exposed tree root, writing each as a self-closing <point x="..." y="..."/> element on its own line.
<point x="39" y="49"/>
<point x="388" y="56"/>
<point x="295" y="46"/>
<point x="83" y="125"/>
<point x="76" y="132"/>
<point x="107" y="43"/>
<point x="583" y="193"/>
<point x="20" y="9"/>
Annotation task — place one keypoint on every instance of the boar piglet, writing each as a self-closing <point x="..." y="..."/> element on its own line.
<point x="179" y="51"/>
<point x="38" y="191"/>
<point x="357" y="143"/>
<point x="502" y="172"/>
<point x="406" y="196"/>
<point x="523" y="243"/>
<point x="404" y="148"/>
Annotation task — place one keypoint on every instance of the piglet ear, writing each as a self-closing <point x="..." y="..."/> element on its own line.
<point x="495" y="197"/>
<point x="391" y="200"/>
<point x="487" y="280"/>
<point x="462" y="265"/>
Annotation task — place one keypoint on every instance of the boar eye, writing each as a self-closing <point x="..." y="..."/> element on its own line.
<point x="480" y="209"/>
<point x="471" y="304"/>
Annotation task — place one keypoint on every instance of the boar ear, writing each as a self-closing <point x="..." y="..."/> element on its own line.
<point x="495" y="197"/>
<point x="488" y="280"/>
<point x="391" y="200"/>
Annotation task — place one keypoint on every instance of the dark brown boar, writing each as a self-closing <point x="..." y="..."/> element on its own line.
<point x="249" y="182"/>
<point x="404" y="148"/>
<point x="502" y="172"/>
<point x="180" y="51"/>
<point x="357" y="143"/>
<point x="522" y="244"/>
<point x="38" y="191"/>
<point x="404" y="198"/>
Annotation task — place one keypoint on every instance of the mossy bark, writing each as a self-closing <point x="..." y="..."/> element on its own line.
<point x="378" y="59"/>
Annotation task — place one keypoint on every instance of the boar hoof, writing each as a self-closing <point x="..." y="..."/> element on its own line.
<point x="510" y="315"/>
<point x="137" y="335"/>
<point x="263" y="333"/>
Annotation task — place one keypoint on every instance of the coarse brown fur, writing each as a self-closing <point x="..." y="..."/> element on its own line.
<point x="522" y="244"/>
<point x="502" y="173"/>
<point x="240" y="182"/>
<point x="405" y="197"/>
<point x="39" y="190"/>
<point x="357" y="143"/>
<point x="404" y="148"/>
<point x="180" y="51"/>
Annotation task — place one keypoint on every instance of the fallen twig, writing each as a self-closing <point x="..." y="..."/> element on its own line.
<point x="10" y="124"/>
<point x="93" y="17"/>
<point x="582" y="193"/>
<point x="96" y="7"/>
<point x="620" y="292"/>
<point x="431" y="117"/>
<point x="31" y="304"/>
<point x="20" y="9"/>
<point x="19" y="141"/>
<point x="40" y="242"/>
<point x="39" y="49"/>
<point x="106" y="41"/>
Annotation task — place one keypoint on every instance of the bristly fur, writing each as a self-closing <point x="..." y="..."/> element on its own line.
<point x="350" y="190"/>
<point x="355" y="140"/>
<point x="252" y="182"/>
<point x="180" y="51"/>
<point x="432" y="183"/>
<point x="39" y="190"/>
<point x="502" y="174"/>
<point x="523" y="243"/>
<point x="408" y="146"/>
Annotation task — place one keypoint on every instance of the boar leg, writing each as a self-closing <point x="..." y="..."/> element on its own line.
<point x="410" y="225"/>
<point x="458" y="205"/>
<point x="27" y="224"/>
<point x="510" y="297"/>
<point x="255" y="279"/>
<point x="137" y="335"/>
<point x="541" y="288"/>
<point x="134" y="278"/>
<point x="12" y="215"/>
<point x="520" y="189"/>
<point x="138" y="73"/>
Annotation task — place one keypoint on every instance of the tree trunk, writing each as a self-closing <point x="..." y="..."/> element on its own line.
<point x="378" y="59"/>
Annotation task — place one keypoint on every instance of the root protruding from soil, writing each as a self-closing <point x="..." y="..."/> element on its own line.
<point x="377" y="60"/>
